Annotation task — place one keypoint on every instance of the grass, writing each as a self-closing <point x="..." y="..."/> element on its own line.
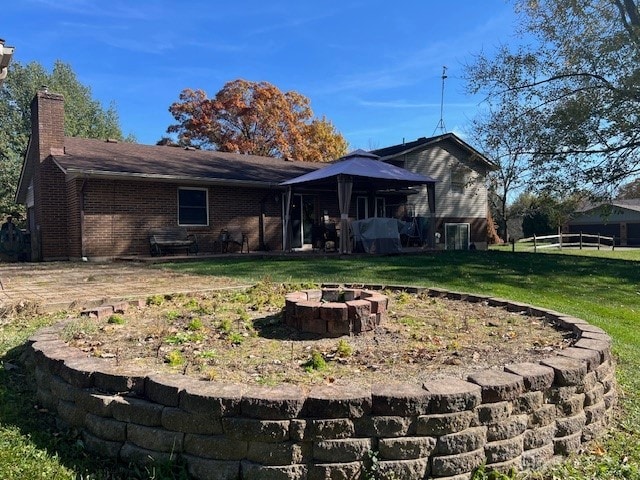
<point x="602" y="287"/>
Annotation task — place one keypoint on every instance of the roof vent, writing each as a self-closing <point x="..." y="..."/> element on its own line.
<point x="111" y="140"/>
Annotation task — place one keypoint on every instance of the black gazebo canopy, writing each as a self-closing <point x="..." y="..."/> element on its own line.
<point x="360" y="170"/>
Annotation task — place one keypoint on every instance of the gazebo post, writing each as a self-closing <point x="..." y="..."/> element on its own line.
<point x="431" y="196"/>
<point x="345" y="185"/>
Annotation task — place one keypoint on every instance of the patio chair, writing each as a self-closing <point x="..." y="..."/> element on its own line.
<point x="318" y="240"/>
<point x="230" y="236"/>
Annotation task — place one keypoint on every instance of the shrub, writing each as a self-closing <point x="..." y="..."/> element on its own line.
<point x="236" y="338"/>
<point x="116" y="319"/>
<point x="225" y="325"/>
<point x="344" y="349"/>
<point x="155" y="300"/>
<point x="174" y="358"/>
<point x="316" y="362"/>
<point x="195" y="324"/>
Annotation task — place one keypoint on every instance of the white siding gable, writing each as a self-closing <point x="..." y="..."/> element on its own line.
<point x="460" y="191"/>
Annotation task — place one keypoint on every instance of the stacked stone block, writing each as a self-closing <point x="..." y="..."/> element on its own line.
<point x="333" y="312"/>
<point x="521" y="416"/>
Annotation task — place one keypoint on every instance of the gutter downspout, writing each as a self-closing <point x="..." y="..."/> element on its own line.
<point x="83" y="250"/>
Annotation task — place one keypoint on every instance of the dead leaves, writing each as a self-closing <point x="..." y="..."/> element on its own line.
<point x="420" y="338"/>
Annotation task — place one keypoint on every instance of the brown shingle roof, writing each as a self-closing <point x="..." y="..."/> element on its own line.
<point x="97" y="157"/>
<point x="628" y="204"/>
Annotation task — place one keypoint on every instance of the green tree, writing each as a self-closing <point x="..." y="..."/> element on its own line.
<point x="544" y="213"/>
<point x="84" y="117"/>
<point x="255" y="118"/>
<point x="576" y="74"/>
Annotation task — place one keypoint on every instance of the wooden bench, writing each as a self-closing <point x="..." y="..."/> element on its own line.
<point x="166" y="239"/>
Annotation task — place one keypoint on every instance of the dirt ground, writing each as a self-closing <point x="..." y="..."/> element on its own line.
<point x="239" y="336"/>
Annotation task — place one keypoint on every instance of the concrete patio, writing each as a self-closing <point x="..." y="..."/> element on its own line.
<point x="78" y="285"/>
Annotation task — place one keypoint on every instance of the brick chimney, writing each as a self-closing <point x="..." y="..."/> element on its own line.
<point x="47" y="123"/>
<point x="49" y="218"/>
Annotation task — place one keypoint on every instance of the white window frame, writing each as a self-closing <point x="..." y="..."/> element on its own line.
<point x="206" y="196"/>
<point x="446" y="233"/>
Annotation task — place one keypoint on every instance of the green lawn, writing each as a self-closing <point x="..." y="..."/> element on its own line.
<point x="601" y="286"/>
<point x="604" y="289"/>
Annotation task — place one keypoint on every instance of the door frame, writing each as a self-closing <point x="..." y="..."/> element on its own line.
<point x="466" y="241"/>
<point x="310" y="200"/>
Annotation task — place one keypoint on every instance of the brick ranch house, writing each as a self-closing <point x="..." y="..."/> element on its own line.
<point x="89" y="198"/>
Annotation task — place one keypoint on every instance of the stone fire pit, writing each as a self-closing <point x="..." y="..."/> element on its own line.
<point x="333" y="312"/>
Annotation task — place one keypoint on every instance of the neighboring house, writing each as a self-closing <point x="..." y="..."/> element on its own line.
<point x="461" y="193"/>
<point x="619" y="219"/>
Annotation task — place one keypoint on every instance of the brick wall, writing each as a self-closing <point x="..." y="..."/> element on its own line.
<point x="52" y="213"/>
<point x="520" y="416"/>
<point x="118" y="215"/>
<point x="74" y="218"/>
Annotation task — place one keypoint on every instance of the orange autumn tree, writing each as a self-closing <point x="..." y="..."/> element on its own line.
<point x="255" y="118"/>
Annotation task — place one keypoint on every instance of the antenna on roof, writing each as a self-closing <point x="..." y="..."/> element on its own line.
<point x="440" y="125"/>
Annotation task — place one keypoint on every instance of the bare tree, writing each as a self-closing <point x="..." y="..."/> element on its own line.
<point x="503" y="138"/>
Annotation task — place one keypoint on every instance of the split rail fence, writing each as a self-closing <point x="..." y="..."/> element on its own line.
<point x="567" y="240"/>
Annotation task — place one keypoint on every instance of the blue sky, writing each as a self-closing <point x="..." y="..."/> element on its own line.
<point x="371" y="67"/>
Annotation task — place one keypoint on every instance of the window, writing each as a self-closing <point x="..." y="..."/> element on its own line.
<point x="458" y="180"/>
<point x="362" y="207"/>
<point x="193" y="206"/>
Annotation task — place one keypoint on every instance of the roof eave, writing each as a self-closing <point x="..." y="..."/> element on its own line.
<point x="620" y="206"/>
<point x="72" y="173"/>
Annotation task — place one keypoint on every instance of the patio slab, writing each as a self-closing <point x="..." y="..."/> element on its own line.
<point x="80" y="285"/>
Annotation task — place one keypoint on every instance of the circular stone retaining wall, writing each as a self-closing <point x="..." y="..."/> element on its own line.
<point x="522" y="415"/>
